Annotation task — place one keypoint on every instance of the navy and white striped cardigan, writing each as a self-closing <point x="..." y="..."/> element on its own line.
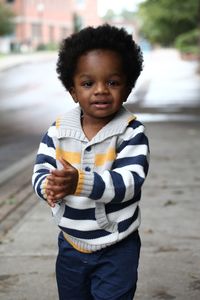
<point x="112" y="168"/>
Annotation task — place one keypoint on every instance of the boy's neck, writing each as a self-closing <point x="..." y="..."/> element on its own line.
<point x="92" y="126"/>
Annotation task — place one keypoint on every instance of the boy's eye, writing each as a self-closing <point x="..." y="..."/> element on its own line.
<point x="87" y="84"/>
<point x="113" y="83"/>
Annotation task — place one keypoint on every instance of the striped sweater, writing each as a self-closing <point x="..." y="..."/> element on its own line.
<point x="112" y="168"/>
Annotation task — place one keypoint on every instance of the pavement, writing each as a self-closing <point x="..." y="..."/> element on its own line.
<point x="170" y="255"/>
<point x="14" y="60"/>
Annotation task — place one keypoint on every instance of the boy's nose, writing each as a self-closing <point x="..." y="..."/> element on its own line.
<point x="101" y="88"/>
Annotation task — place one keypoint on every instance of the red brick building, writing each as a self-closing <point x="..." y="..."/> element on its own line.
<point x="41" y="22"/>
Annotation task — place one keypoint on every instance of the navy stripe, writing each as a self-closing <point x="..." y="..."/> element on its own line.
<point x="43" y="171"/>
<point x="85" y="234"/>
<point x="134" y="124"/>
<point x="119" y="186"/>
<point x="138" y="181"/>
<point x="113" y="207"/>
<point x="42" y="158"/>
<point x="39" y="189"/>
<point x="98" y="187"/>
<point x="121" y="162"/>
<point x="124" y="225"/>
<point x="139" y="139"/>
<point x="48" y="141"/>
<point x="79" y="214"/>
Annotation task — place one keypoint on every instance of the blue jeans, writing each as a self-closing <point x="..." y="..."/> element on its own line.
<point x="107" y="274"/>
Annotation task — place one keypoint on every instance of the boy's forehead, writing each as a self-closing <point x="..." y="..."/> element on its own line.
<point x="99" y="56"/>
<point x="100" y="52"/>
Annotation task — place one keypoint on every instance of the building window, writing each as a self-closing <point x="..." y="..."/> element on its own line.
<point x="36" y="31"/>
<point x="51" y="34"/>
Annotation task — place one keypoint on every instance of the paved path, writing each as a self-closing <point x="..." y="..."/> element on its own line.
<point x="170" y="83"/>
<point x="14" y="60"/>
<point x="169" y="265"/>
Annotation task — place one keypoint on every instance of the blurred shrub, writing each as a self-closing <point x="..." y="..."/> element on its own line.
<point x="47" y="47"/>
<point x="163" y="21"/>
<point x="188" y="43"/>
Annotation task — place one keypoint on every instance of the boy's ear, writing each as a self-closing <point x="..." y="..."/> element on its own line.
<point x="73" y="94"/>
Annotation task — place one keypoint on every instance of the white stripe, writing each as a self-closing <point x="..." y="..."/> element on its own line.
<point x="132" y="132"/>
<point x="82" y="225"/>
<point x="45" y="150"/>
<point x="113" y="237"/>
<point x="79" y="202"/>
<point x="123" y="214"/>
<point x="109" y="192"/>
<point x="124" y="171"/>
<point x="133" y="150"/>
<point x="37" y="183"/>
<point x="129" y="193"/>
<point x="47" y="166"/>
<point x="52" y="131"/>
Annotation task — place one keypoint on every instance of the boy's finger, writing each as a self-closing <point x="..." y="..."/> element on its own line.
<point x="50" y="202"/>
<point x="65" y="163"/>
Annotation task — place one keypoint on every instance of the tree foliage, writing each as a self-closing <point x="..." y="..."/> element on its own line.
<point x="109" y="16"/>
<point x="162" y="21"/>
<point x="6" y="16"/>
<point x="125" y="15"/>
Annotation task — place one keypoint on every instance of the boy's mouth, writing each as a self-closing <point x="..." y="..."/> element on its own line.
<point x="101" y="104"/>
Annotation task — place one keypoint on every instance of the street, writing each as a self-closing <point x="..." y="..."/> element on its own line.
<point x="31" y="98"/>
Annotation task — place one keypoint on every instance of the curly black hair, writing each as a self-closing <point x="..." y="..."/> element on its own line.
<point x="102" y="37"/>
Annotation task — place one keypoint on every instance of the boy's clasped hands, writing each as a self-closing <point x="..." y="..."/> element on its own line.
<point x="61" y="183"/>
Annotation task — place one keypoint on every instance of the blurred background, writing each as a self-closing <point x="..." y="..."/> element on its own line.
<point x="31" y="96"/>
<point x="166" y="98"/>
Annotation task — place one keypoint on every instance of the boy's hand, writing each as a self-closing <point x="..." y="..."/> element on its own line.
<point x="61" y="183"/>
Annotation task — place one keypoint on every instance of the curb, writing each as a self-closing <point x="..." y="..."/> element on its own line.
<point x="17" y="167"/>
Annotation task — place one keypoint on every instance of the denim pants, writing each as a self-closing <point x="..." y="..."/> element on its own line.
<point x="107" y="274"/>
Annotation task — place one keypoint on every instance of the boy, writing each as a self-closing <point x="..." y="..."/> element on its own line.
<point x="91" y="165"/>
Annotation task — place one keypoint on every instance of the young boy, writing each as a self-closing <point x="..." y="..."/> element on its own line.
<point x="91" y="165"/>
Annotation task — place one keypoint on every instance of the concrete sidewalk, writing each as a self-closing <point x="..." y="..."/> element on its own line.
<point x="168" y="83"/>
<point x="14" y="60"/>
<point x="169" y="264"/>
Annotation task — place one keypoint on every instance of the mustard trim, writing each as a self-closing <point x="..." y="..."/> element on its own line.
<point x="101" y="159"/>
<point x="74" y="245"/>
<point x="132" y="118"/>
<point x="80" y="183"/>
<point x="58" y="123"/>
<point x="71" y="157"/>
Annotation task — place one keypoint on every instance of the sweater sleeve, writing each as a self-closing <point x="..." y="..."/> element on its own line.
<point x="45" y="161"/>
<point x="124" y="181"/>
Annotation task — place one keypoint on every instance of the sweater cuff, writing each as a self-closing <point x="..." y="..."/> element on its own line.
<point x="85" y="184"/>
<point x="43" y="188"/>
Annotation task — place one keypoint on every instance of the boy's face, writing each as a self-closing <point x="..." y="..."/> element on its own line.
<point x="100" y="85"/>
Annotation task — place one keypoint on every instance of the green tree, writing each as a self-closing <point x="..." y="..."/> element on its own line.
<point x="109" y="16"/>
<point x="6" y="17"/>
<point x="162" y="21"/>
<point x="128" y="15"/>
<point x="124" y="15"/>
